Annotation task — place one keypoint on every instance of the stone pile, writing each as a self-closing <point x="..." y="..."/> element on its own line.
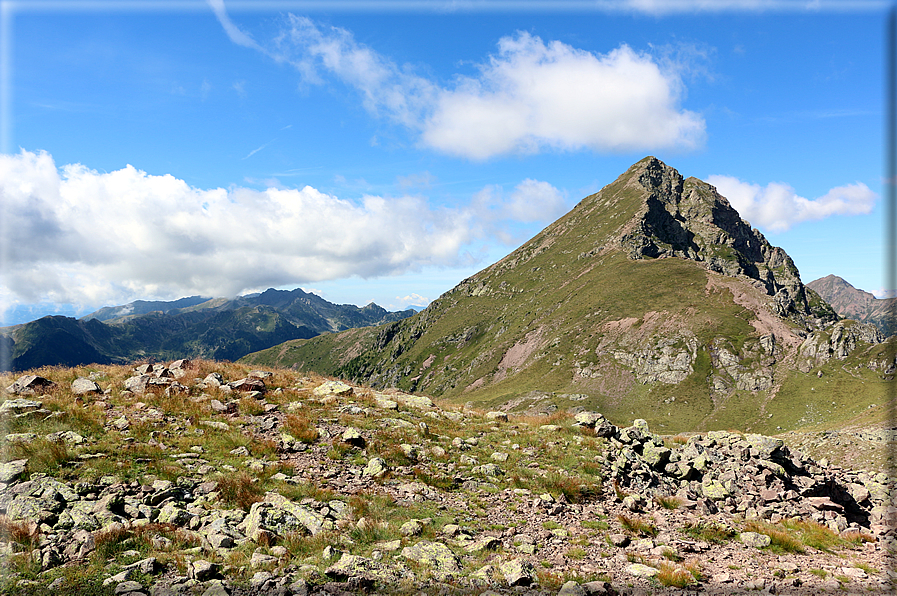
<point x="755" y="476"/>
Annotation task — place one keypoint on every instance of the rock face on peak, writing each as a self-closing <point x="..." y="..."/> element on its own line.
<point x="688" y="218"/>
<point x="651" y="297"/>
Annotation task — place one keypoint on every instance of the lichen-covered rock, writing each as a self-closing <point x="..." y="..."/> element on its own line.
<point x="311" y="520"/>
<point x="332" y="388"/>
<point x="754" y="539"/>
<point x="517" y="572"/>
<point x="435" y="555"/>
<point x="352" y="566"/>
<point x="375" y="468"/>
<point x="12" y="470"/>
<point x="19" y="406"/>
<point x="640" y="570"/>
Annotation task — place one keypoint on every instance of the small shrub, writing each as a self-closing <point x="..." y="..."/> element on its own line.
<point x="709" y="532"/>
<point x="674" y="575"/>
<point x="668" y="502"/>
<point x="301" y="427"/>
<point x="240" y="490"/>
<point x="576" y="553"/>
<point x="781" y="542"/>
<point x="637" y="525"/>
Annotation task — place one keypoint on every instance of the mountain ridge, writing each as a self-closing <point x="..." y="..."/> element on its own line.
<point x="853" y="303"/>
<point x="189" y="327"/>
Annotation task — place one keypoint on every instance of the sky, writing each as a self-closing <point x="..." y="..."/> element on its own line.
<point x="385" y="151"/>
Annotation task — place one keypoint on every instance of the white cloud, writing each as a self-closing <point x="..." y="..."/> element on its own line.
<point x="233" y="32"/>
<point x="75" y="235"/>
<point x="72" y="235"/>
<point x="534" y="95"/>
<point x="530" y="201"/>
<point x="413" y="299"/>
<point x="529" y="97"/>
<point x="777" y="207"/>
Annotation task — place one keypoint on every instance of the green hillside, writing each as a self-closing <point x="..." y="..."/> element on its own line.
<point x="650" y="299"/>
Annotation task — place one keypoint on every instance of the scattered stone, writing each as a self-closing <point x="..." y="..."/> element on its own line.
<point x="435" y="555"/>
<point x="19" y="407"/>
<point x="375" y="468"/>
<point x="517" y="572"/>
<point x="30" y="385"/>
<point x="337" y="388"/>
<point x="640" y="570"/>
<point x="754" y="539"/>
<point x="12" y="470"/>
<point x="83" y="386"/>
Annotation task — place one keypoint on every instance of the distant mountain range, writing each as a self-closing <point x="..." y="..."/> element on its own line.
<point x="852" y="303"/>
<point x="191" y="327"/>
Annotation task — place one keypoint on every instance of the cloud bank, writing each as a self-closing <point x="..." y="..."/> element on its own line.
<point x="530" y="96"/>
<point x="776" y="207"/>
<point x="77" y="236"/>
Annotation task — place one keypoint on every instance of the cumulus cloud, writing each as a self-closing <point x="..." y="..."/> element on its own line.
<point x="413" y="299"/>
<point x="528" y="97"/>
<point x="76" y="235"/>
<point x="776" y="207"/>
<point x="72" y="235"/>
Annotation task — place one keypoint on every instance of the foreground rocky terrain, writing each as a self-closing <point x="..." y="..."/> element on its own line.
<point x="210" y="478"/>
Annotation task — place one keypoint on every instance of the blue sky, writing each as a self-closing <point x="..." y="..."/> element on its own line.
<point x="385" y="151"/>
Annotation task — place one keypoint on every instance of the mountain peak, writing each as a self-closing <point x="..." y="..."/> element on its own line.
<point x="651" y="211"/>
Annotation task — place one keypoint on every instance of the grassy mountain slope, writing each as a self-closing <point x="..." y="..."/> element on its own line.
<point x="856" y="304"/>
<point x="651" y="298"/>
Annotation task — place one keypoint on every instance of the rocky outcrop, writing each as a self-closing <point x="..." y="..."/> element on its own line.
<point x="755" y="476"/>
<point x="690" y="219"/>
<point x="837" y="341"/>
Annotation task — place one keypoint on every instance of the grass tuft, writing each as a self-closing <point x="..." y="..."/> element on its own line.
<point x="781" y="541"/>
<point x="668" y="502"/>
<point x="674" y="576"/>
<point x="637" y="525"/>
<point x="301" y="427"/>
<point x="711" y="532"/>
<point x="240" y="490"/>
